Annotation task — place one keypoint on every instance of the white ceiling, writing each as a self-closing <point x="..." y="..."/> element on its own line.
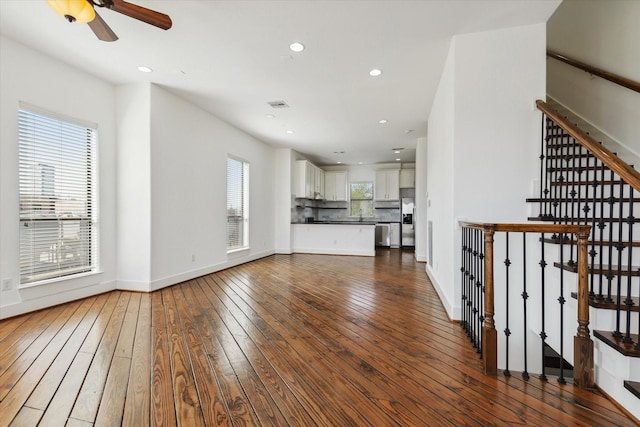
<point x="232" y="57"/>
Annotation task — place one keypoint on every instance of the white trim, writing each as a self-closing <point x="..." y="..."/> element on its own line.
<point x="157" y="284"/>
<point x="331" y="251"/>
<point x="453" y="311"/>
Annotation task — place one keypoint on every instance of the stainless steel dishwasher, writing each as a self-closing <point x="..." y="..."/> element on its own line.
<point x="383" y="235"/>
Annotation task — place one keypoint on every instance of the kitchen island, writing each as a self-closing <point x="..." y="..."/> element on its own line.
<point x="335" y="238"/>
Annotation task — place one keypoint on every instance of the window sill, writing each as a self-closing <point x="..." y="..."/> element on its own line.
<point x="236" y="252"/>
<point x="80" y="277"/>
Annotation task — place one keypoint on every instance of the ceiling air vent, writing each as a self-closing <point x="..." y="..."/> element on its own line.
<point x="278" y="104"/>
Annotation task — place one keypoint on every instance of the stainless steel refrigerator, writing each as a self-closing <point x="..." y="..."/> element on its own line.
<point x="407" y="226"/>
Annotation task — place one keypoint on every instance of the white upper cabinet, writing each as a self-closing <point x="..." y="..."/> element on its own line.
<point x="305" y="180"/>
<point x="407" y="178"/>
<point x="335" y="186"/>
<point x="309" y="181"/>
<point x="319" y="182"/>
<point x="387" y="185"/>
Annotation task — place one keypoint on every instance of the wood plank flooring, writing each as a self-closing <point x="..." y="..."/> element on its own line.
<point x="300" y="340"/>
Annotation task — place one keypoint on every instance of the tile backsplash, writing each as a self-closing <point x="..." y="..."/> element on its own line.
<point x="322" y="210"/>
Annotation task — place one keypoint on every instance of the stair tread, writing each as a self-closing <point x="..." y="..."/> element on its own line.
<point x="599" y="303"/>
<point x="616" y="343"/>
<point x="584" y="168"/>
<point x="624" y="269"/>
<point x="633" y="387"/>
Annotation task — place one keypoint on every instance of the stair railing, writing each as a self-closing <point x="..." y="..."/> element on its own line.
<point x="595" y="71"/>
<point x="478" y="296"/>
<point x="573" y="162"/>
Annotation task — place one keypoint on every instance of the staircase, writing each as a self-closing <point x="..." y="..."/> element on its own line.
<point x="583" y="182"/>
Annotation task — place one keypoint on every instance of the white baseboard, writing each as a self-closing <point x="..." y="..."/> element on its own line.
<point x="453" y="311"/>
<point x="188" y="275"/>
<point x="355" y="252"/>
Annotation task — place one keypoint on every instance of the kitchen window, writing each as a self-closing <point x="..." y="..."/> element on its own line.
<point x="361" y="199"/>
<point x="57" y="194"/>
<point x="237" y="204"/>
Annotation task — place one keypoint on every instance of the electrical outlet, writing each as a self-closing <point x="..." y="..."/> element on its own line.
<point x="7" y="285"/>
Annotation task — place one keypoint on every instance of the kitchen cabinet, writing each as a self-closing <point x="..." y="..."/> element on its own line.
<point x="407" y="178"/>
<point x="309" y="181"/>
<point x="305" y="180"/>
<point x="319" y="183"/>
<point x="335" y="186"/>
<point x="387" y="185"/>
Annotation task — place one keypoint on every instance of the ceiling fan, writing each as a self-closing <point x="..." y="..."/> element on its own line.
<point x="83" y="11"/>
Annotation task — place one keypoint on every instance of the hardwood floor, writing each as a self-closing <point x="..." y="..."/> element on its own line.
<point x="297" y="340"/>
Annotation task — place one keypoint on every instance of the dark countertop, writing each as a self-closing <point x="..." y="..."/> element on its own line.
<point x="338" y="223"/>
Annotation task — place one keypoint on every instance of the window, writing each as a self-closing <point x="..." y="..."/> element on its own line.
<point x="237" y="204"/>
<point x="57" y="197"/>
<point x="361" y="197"/>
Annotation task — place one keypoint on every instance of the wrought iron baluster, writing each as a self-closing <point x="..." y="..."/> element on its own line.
<point x="543" y="334"/>
<point x="592" y="251"/>
<point x="463" y="275"/>
<point x="481" y="291"/>
<point x="554" y="176"/>
<point x="525" y="296"/>
<point x="544" y="191"/>
<point x="629" y="301"/>
<point x="619" y="247"/>
<point x="611" y="202"/>
<point x="561" y="301"/>
<point x="572" y="193"/>
<point x="601" y="226"/>
<point x="507" y="331"/>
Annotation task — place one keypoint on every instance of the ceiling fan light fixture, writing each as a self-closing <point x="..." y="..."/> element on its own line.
<point x="80" y="11"/>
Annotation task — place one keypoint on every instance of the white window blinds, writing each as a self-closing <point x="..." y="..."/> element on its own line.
<point x="237" y="204"/>
<point x="57" y="193"/>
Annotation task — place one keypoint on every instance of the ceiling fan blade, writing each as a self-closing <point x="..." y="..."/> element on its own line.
<point x="143" y="14"/>
<point x="102" y="30"/>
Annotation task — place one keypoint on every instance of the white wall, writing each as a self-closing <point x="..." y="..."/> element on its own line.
<point x="187" y="162"/>
<point x="440" y="180"/>
<point x="421" y="201"/>
<point x="284" y="176"/>
<point x="162" y="188"/>
<point x="32" y="77"/>
<point x="482" y="138"/>
<point x="134" y="186"/>
<point x="604" y="34"/>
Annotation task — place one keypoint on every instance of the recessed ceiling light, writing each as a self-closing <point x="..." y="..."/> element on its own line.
<point x="397" y="160"/>
<point x="296" y="47"/>
<point x="375" y="72"/>
<point x="144" y="69"/>
<point x="290" y="131"/>
<point x="359" y="163"/>
<point x="382" y="121"/>
<point x="269" y="116"/>
<point x="339" y="163"/>
<point x="396" y="151"/>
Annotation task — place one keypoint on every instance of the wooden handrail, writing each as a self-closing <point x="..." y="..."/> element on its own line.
<point x="613" y="162"/>
<point x="612" y="77"/>
<point x="529" y="227"/>
<point x="583" y="360"/>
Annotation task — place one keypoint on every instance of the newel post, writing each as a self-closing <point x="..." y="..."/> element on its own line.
<point x="582" y="343"/>
<point x="489" y="333"/>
